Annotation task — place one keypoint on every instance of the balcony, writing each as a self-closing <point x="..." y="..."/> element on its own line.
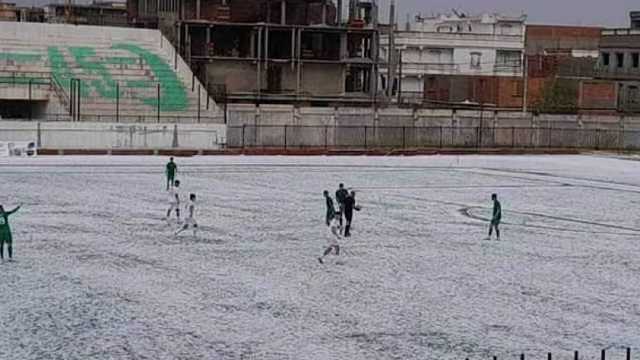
<point x="515" y="69"/>
<point x="617" y="73"/>
<point x="430" y="68"/>
<point x="415" y="38"/>
<point x="620" y="32"/>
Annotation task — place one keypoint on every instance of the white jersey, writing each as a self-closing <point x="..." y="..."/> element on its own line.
<point x="190" y="209"/>
<point x="190" y="217"/>
<point x="334" y="232"/>
<point x="174" y="196"/>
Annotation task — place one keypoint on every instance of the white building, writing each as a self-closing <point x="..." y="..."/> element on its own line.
<point x="486" y="45"/>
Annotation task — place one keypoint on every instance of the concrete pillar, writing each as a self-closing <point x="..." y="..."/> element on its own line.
<point x="187" y="44"/>
<point x="268" y="11"/>
<point x="175" y="136"/>
<point x="208" y="40"/>
<point x="343" y="46"/>
<point x="259" y="63"/>
<point x="198" y="9"/>
<point x="324" y="12"/>
<point x="266" y="44"/>
<point x="299" y="62"/>
<point x="293" y="48"/>
<point x="252" y="44"/>
<point x="283" y="12"/>
<point x="339" y="20"/>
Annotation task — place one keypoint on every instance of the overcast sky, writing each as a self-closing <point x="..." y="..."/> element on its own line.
<point x="610" y="13"/>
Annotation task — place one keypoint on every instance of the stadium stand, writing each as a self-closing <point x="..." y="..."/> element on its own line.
<point x="103" y="73"/>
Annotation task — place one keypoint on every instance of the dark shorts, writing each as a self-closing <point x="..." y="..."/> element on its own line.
<point x="5" y="238"/>
<point x="495" y="222"/>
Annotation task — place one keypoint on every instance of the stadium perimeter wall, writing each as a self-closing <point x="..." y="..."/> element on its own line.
<point x="278" y="115"/>
<point x="277" y="125"/>
<point x="286" y="128"/>
<point x="115" y="136"/>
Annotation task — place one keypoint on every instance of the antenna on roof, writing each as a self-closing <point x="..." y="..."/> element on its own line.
<point x="459" y="14"/>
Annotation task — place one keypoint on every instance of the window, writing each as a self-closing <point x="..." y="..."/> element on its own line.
<point x="632" y="95"/>
<point x="606" y="59"/>
<point x="635" y="60"/>
<point x="508" y="58"/>
<point x="476" y="60"/>
<point x="506" y="29"/>
<point x="620" y="60"/>
<point x="433" y="56"/>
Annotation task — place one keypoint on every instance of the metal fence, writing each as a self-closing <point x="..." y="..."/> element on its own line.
<point x="604" y="355"/>
<point x="408" y="137"/>
<point x="130" y="119"/>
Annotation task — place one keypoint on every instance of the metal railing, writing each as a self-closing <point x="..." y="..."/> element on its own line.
<point x="27" y="78"/>
<point x="411" y="67"/>
<point x="130" y="119"/>
<point x="410" y="137"/>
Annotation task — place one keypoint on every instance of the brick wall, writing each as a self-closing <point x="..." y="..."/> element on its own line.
<point x="510" y="92"/>
<point x="503" y="92"/>
<point x="598" y="95"/>
<point x="544" y="37"/>
<point x="535" y="92"/>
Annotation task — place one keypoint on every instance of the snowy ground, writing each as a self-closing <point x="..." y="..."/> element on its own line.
<point x="99" y="276"/>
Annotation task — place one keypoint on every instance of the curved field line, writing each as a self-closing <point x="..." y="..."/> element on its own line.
<point x="466" y="211"/>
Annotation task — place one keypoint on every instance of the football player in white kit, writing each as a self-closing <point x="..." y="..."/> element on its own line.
<point x="334" y="236"/>
<point x="190" y="221"/>
<point x="174" y="201"/>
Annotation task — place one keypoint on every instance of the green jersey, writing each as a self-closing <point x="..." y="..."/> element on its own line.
<point x="497" y="211"/>
<point x="172" y="168"/>
<point x="5" y="229"/>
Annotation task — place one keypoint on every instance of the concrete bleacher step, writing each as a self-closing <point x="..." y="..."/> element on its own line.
<point x="100" y="57"/>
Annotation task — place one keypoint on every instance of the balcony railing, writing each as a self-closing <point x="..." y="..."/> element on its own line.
<point x="617" y="73"/>
<point x="614" y="32"/>
<point x="426" y="68"/>
<point x="508" y="68"/>
<point x="423" y="37"/>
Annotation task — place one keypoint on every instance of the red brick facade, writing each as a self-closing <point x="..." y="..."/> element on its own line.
<point x="598" y="95"/>
<point x="498" y="91"/>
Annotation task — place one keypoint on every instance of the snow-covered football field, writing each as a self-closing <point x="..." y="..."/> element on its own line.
<point x="99" y="275"/>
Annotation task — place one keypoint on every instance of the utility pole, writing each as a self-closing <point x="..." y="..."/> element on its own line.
<point x="399" y="77"/>
<point x="391" y="66"/>
<point x="525" y="91"/>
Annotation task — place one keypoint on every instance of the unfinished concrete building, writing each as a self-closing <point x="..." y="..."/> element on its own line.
<point x="278" y="51"/>
<point x="620" y="62"/>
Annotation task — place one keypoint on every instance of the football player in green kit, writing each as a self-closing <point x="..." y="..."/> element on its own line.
<point x="171" y="170"/>
<point x="5" y="232"/>
<point x="496" y="217"/>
